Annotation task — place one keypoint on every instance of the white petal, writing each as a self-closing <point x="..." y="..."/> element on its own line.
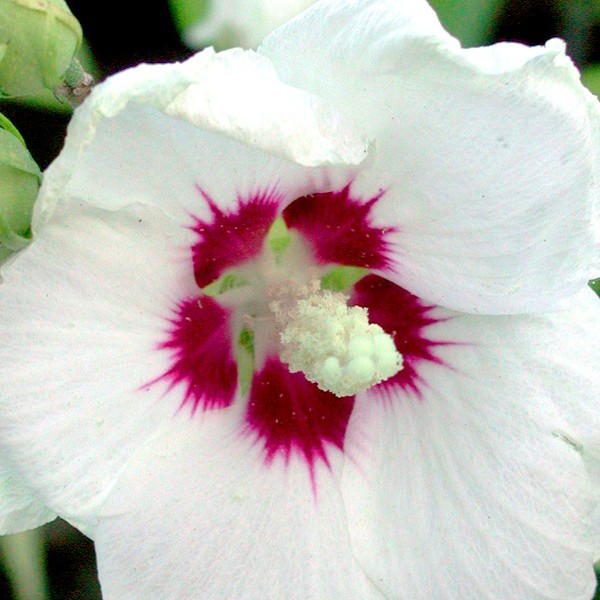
<point x="363" y="29"/>
<point x="478" y="488"/>
<point x="198" y="514"/>
<point x="82" y="311"/>
<point x="490" y="157"/>
<point x="241" y="22"/>
<point x="596" y="529"/>
<point x="19" y="509"/>
<point x="223" y="121"/>
<point x="84" y="307"/>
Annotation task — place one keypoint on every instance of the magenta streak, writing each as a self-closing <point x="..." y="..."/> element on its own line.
<point x="290" y="414"/>
<point x="232" y="238"/>
<point x="287" y="414"/>
<point x="202" y="357"/>
<point x="406" y="318"/>
<point x="339" y="229"/>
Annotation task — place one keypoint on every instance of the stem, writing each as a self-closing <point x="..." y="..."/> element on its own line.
<point x="23" y="557"/>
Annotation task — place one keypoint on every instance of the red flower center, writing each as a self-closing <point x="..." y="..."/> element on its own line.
<point x="287" y="414"/>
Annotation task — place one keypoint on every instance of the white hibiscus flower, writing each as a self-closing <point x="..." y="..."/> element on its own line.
<point x="152" y="333"/>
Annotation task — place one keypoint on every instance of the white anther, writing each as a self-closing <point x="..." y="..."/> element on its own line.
<point x="360" y="345"/>
<point x="331" y="371"/>
<point x="361" y="369"/>
<point x="383" y="344"/>
<point x="334" y="345"/>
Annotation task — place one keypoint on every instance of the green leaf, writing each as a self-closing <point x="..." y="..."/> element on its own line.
<point x="468" y="20"/>
<point x="590" y="77"/>
<point x="186" y="13"/>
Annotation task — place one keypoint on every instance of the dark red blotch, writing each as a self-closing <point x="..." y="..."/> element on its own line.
<point x="290" y="414"/>
<point x="403" y="316"/>
<point x="200" y="340"/>
<point x="230" y="239"/>
<point x="339" y="229"/>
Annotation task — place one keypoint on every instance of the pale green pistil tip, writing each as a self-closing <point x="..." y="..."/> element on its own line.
<point x="333" y="344"/>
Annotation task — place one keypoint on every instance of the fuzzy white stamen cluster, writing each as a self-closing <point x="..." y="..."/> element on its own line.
<point x="333" y="344"/>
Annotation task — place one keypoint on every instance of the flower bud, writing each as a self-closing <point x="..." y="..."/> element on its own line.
<point x="21" y="178"/>
<point x="38" y="40"/>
